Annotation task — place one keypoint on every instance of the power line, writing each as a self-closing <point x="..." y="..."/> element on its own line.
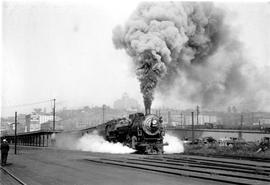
<point x="27" y="104"/>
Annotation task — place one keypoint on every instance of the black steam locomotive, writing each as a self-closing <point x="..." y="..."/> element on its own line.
<point x="144" y="133"/>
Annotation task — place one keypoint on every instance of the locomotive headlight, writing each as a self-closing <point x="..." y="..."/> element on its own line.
<point x="154" y="122"/>
<point x="151" y="125"/>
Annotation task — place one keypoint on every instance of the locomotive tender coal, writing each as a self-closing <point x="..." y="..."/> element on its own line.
<point x="144" y="133"/>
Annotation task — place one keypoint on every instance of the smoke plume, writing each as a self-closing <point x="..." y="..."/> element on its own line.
<point x="91" y="142"/>
<point x="184" y="48"/>
<point x="175" y="145"/>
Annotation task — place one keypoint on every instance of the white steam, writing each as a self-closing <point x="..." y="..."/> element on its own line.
<point x="95" y="143"/>
<point x="175" y="144"/>
<point x="90" y="142"/>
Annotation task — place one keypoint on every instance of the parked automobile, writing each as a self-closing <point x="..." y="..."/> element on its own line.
<point x="232" y="141"/>
<point x="208" y="139"/>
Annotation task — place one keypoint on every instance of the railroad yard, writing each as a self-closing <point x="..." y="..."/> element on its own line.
<point x="35" y="166"/>
<point x="194" y="79"/>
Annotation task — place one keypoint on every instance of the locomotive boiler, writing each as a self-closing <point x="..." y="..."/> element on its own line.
<point x="144" y="133"/>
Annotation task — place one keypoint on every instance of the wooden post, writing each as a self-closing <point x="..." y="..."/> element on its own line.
<point x="43" y="137"/>
<point x="47" y="139"/>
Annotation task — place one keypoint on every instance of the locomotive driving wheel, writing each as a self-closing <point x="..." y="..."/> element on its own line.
<point x="160" y="150"/>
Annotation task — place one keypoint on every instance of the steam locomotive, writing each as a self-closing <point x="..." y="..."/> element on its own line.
<point x="144" y="133"/>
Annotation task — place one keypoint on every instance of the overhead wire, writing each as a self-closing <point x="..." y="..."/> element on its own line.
<point x="26" y="104"/>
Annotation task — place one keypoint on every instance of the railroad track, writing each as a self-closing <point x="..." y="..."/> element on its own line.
<point x="257" y="159"/>
<point x="8" y="178"/>
<point x="214" y="170"/>
<point x="217" y="164"/>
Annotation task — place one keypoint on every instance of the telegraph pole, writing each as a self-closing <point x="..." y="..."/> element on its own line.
<point x="252" y="118"/>
<point x="15" y="149"/>
<point x="241" y="126"/>
<point x="192" y="128"/>
<point x="242" y="118"/>
<point x="53" y="114"/>
<point x="169" y="119"/>
<point x="198" y="112"/>
<point x="181" y="119"/>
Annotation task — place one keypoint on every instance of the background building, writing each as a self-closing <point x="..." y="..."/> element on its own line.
<point x="40" y="121"/>
<point x="183" y="118"/>
<point x="126" y="103"/>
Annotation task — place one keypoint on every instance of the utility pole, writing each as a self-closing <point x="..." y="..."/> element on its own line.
<point x="103" y="113"/>
<point x="181" y="119"/>
<point x="241" y="126"/>
<point x="252" y="118"/>
<point x="242" y="118"/>
<point x="198" y="112"/>
<point x="169" y="118"/>
<point x="53" y="114"/>
<point x="192" y="121"/>
<point x="184" y="120"/>
<point x="15" y="149"/>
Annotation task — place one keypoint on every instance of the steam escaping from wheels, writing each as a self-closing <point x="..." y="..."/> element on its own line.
<point x="175" y="145"/>
<point x="95" y="143"/>
<point x="91" y="142"/>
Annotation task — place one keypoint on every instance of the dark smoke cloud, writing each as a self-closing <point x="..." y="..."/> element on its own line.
<point x="187" y="48"/>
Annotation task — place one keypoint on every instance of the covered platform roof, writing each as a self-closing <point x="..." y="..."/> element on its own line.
<point x="34" y="133"/>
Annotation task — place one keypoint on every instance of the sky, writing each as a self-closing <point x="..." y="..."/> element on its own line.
<point x="64" y="50"/>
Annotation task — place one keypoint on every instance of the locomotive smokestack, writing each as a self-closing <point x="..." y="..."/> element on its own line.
<point x="147" y="111"/>
<point x="147" y="105"/>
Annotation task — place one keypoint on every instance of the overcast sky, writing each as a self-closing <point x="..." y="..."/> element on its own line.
<point x="65" y="50"/>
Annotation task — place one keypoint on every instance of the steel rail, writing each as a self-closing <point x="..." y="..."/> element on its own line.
<point x="239" y="179"/>
<point x="13" y="176"/>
